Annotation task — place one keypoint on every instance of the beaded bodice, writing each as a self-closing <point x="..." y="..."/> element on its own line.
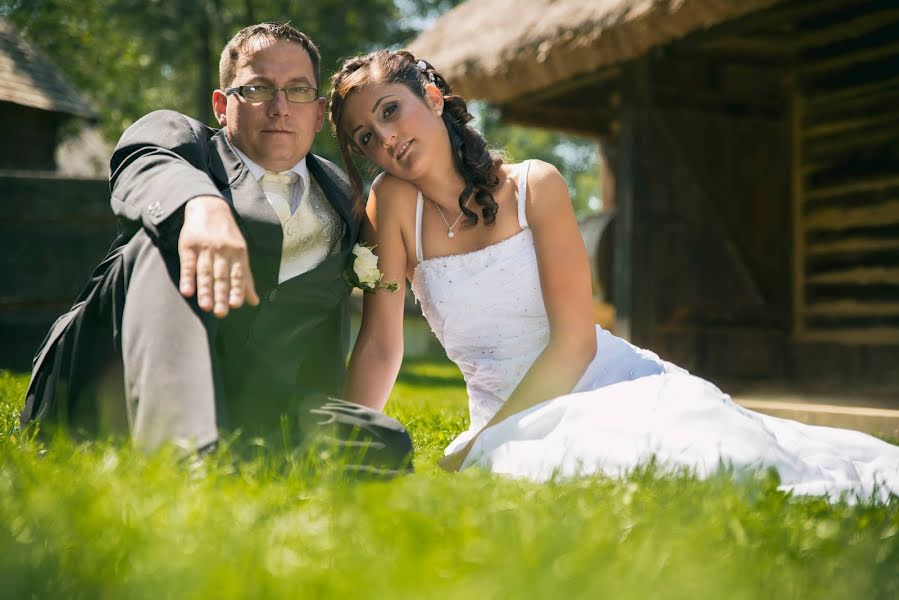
<point x="486" y="309"/>
<point x="487" y="312"/>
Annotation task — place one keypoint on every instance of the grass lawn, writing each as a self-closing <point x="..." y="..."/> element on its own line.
<point x="96" y="519"/>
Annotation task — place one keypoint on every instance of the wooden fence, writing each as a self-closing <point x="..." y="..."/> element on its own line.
<point x="53" y="232"/>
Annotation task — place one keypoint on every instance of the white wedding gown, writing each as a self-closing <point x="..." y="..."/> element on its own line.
<point x="487" y="311"/>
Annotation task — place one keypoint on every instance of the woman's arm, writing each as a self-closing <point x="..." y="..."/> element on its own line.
<point x="565" y="284"/>
<point x="378" y="351"/>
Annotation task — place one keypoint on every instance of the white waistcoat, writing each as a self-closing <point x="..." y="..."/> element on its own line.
<point x="311" y="234"/>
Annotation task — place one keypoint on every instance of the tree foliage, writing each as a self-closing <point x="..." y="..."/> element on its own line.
<point x="576" y="158"/>
<point x="129" y="57"/>
<point x="132" y="56"/>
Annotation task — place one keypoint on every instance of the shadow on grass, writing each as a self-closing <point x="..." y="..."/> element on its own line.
<point x="431" y="380"/>
<point x="430" y="372"/>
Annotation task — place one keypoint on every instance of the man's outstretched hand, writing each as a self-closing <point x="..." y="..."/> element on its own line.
<point x="213" y="256"/>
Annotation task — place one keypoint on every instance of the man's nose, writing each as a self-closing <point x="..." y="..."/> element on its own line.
<point x="279" y="105"/>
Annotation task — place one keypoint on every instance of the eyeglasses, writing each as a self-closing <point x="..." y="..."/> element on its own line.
<point x="266" y="93"/>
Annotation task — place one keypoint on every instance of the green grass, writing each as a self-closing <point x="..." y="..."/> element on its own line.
<point x="97" y="519"/>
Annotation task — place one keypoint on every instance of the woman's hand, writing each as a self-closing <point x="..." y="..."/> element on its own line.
<point x="453" y="462"/>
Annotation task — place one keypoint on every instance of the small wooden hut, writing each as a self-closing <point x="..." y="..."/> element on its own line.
<point x="35" y="100"/>
<point x="753" y="148"/>
<point x="53" y="229"/>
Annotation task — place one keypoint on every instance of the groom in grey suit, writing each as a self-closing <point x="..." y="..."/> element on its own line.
<point x="222" y="302"/>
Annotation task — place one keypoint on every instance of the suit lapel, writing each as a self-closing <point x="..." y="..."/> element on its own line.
<point x="259" y="221"/>
<point x="336" y="197"/>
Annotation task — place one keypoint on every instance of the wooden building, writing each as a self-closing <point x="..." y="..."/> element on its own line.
<point x="753" y="148"/>
<point x="53" y="229"/>
<point x="35" y="101"/>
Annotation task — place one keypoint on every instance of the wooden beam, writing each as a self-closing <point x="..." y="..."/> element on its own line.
<point x="842" y="126"/>
<point x="858" y="276"/>
<point x="872" y="184"/>
<point x="678" y="96"/>
<point x="852" y="245"/>
<point x="853" y="28"/>
<point x="798" y="213"/>
<point x="853" y="308"/>
<point x="782" y="47"/>
<point x="733" y="57"/>
<point x="634" y="296"/>
<point x="849" y="59"/>
<point x="820" y="149"/>
<point x="784" y="16"/>
<point x="845" y="217"/>
<point x="605" y="78"/>
<point x="586" y="123"/>
<point x="882" y="102"/>
<point x="859" y="336"/>
<point x="865" y="92"/>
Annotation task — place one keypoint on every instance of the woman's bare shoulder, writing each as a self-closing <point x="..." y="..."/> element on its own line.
<point x="388" y="187"/>
<point x="544" y="181"/>
<point x="542" y="173"/>
<point x="391" y="199"/>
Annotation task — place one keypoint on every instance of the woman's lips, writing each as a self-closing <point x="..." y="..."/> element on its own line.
<point x="404" y="150"/>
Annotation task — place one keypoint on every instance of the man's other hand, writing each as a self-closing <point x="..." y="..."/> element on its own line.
<point x="214" y="260"/>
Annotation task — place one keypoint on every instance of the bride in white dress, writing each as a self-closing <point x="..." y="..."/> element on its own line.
<point x="495" y="258"/>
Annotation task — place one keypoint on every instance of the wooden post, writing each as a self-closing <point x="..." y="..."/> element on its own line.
<point x="798" y="213"/>
<point x="633" y="244"/>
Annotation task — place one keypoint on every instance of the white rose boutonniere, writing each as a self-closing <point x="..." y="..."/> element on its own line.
<point x="362" y="271"/>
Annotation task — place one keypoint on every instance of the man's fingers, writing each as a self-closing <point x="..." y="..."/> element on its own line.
<point x="188" y="279"/>
<point x="214" y="262"/>
<point x="250" y="286"/>
<point x="204" y="280"/>
<point x="221" y="273"/>
<point x="237" y="281"/>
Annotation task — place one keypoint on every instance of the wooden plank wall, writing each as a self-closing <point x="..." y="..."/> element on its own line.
<point x="53" y="232"/>
<point x="811" y="294"/>
<point x="845" y="105"/>
<point x="29" y="137"/>
<point x="710" y="239"/>
<point x="758" y="162"/>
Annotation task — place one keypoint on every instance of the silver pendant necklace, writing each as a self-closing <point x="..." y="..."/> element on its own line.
<point x="449" y="228"/>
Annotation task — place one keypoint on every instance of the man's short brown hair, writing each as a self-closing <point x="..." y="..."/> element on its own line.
<point x="277" y="31"/>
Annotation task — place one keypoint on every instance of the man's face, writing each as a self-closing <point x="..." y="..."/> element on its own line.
<point x="278" y="133"/>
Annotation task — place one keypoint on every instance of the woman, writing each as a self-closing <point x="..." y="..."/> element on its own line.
<point x="494" y="256"/>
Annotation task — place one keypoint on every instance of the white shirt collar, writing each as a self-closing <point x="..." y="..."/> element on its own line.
<point x="300" y="168"/>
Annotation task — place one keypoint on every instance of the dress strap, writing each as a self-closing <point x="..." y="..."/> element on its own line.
<point x="419" y="254"/>
<point x="523" y="194"/>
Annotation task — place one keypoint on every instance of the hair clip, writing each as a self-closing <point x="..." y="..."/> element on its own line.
<point x="423" y="67"/>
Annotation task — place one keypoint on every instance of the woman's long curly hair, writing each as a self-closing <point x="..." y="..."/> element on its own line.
<point x="474" y="161"/>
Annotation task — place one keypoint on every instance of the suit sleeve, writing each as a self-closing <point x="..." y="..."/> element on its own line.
<point x="159" y="164"/>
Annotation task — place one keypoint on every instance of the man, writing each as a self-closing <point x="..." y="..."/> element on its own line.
<point x="172" y="334"/>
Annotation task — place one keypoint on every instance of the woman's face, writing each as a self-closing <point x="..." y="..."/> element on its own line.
<point x="397" y="130"/>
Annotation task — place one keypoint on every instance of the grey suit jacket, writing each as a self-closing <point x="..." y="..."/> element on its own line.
<point x="294" y="343"/>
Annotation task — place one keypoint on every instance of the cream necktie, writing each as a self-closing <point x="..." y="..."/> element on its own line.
<point x="276" y="187"/>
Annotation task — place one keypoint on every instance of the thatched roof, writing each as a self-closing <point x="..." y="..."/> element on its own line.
<point x="27" y="77"/>
<point x="497" y="49"/>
